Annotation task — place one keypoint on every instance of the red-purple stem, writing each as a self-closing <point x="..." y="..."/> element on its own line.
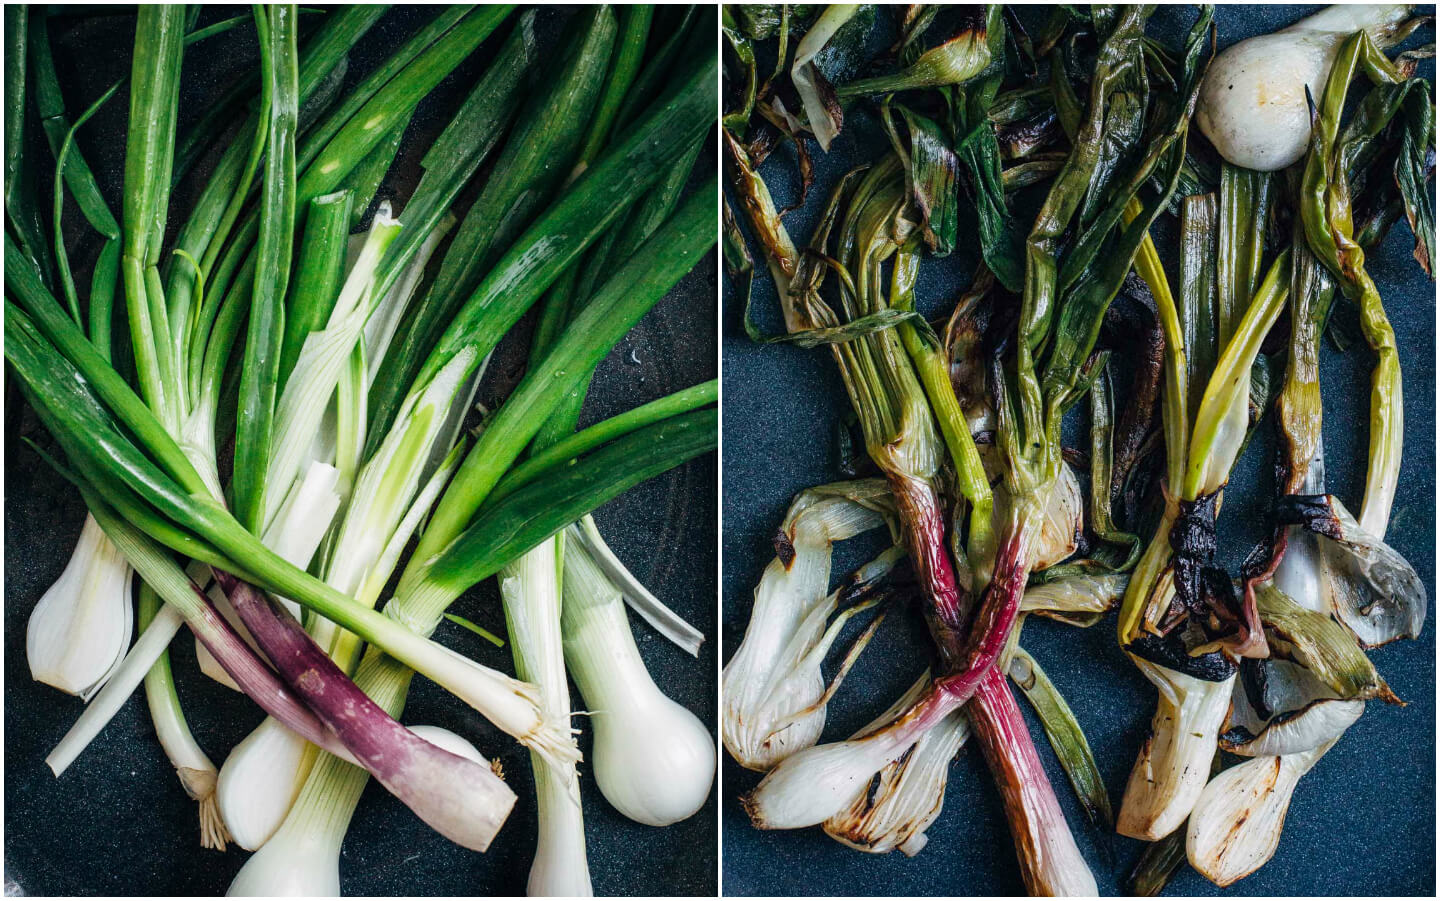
<point x="1042" y="836"/>
<point x="999" y="607"/>
<point x="1049" y="861"/>
<point x="455" y="796"/>
<point x="923" y="524"/>
<point x="259" y="681"/>
<point x="969" y="662"/>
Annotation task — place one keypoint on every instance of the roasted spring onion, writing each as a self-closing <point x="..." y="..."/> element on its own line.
<point x="1051" y="153"/>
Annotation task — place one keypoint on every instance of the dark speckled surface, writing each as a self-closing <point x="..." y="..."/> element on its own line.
<point x="1362" y="822"/>
<point x="118" y="822"/>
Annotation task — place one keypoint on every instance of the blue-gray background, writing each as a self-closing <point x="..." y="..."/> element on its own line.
<point x="1362" y="822"/>
<point x="117" y="822"/>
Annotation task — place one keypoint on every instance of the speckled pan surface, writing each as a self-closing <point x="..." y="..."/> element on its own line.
<point x="1362" y="822"/>
<point x="118" y="822"/>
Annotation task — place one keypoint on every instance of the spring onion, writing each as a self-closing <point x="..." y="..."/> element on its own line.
<point x="1252" y="105"/>
<point x="773" y="689"/>
<point x="265" y="297"/>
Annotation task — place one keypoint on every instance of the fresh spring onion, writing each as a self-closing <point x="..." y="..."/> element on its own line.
<point x="80" y="628"/>
<point x="309" y="338"/>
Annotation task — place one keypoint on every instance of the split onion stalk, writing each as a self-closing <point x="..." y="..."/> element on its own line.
<point x="773" y="690"/>
<point x="1194" y="675"/>
<point x="1331" y="572"/>
<point x="356" y="363"/>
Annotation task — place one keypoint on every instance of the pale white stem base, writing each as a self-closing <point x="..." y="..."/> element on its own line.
<point x="654" y="760"/>
<point x="78" y="632"/>
<point x="1235" y="825"/>
<point x="260" y="780"/>
<point x="1174" y="762"/>
<point x="122" y="684"/>
<point x="530" y="589"/>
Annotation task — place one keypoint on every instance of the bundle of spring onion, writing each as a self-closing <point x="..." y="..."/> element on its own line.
<point x="1043" y="147"/>
<point x="270" y="420"/>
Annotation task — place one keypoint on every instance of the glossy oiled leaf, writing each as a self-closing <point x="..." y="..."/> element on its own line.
<point x="1091" y="287"/>
<point x="1121" y="548"/>
<point x="1066" y="737"/>
<point x="1415" y="173"/>
<point x="1199" y="301"/>
<point x="956" y="59"/>
<point x="1116" y="68"/>
<point x="931" y="170"/>
<point x="743" y="52"/>
<point x="853" y="330"/>
<point x="1002" y="237"/>
<point x="762" y="21"/>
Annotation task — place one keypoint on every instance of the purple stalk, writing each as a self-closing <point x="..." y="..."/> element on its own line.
<point x="969" y="657"/>
<point x="1050" y="862"/>
<point x="259" y="681"/>
<point x="462" y="800"/>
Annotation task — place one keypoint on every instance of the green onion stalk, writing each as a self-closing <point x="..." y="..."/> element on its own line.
<point x="532" y="587"/>
<point x="197" y="773"/>
<point x="640" y="223"/>
<point x="668" y="778"/>
<point x="313" y="290"/>
<point x="72" y="172"/>
<point x="1325" y="210"/>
